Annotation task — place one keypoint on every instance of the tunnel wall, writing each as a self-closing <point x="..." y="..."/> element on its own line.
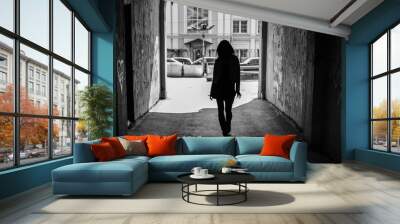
<point x="145" y="55"/>
<point x="290" y="73"/>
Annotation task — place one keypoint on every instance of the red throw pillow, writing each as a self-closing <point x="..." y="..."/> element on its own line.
<point x="161" y="145"/>
<point x="277" y="145"/>
<point x="103" y="152"/>
<point x="116" y="145"/>
<point x="136" y="137"/>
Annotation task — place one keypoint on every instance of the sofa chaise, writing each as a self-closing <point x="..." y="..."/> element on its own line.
<point x="125" y="176"/>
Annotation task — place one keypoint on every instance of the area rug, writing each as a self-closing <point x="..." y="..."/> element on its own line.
<point x="166" y="198"/>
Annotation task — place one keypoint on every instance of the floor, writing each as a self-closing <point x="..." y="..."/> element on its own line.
<point x="188" y="111"/>
<point x="190" y="95"/>
<point x="377" y="188"/>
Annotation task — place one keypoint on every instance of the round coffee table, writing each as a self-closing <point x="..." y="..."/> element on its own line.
<point x="238" y="179"/>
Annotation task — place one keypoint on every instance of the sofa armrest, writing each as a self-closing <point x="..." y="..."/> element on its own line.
<point x="83" y="152"/>
<point x="298" y="155"/>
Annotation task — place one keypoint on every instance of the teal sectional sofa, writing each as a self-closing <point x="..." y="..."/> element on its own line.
<point x="125" y="176"/>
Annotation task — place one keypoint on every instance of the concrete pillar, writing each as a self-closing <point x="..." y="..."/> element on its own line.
<point x="262" y="77"/>
<point x="146" y="41"/>
<point x="163" y="64"/>
<point x="120" y="79"/>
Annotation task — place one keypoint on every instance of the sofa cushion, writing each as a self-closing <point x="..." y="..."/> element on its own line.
<point x="116" y="145"/>
<point x="133" y="157"/>
<point x="83" y="152"/>
<point x="257" y="163"/>
<point x="112" y="171"/>
<point x="103" y="152"/>
<point x="277" y="145"/>
<point x="185" y="163"/>
<point x="136" y="137"/>
<point x="249" y="145"/>
<point x="208" y="145"/>
<point x="135" y="147"/>
<point x="161" y="145"/>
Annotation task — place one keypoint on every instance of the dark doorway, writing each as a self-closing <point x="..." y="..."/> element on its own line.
<point x="128" y="64"/>
<point x="326" y="119"/>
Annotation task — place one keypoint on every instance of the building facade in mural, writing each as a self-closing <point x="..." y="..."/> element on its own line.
<point x="183" y="38"/>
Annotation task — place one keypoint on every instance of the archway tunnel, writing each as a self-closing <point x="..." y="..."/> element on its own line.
<point x="297" y="88"/>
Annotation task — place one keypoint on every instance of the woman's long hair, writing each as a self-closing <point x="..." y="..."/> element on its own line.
<point x="224" y="49"/>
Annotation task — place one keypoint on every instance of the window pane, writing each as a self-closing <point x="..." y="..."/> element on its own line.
<point x="395" y="136"/>
<point x="6" y="74"/>
<point x="81" y="131"/>
<point x="191" y="13"/>
<point x="395" y="95"/>
<point x="62" y="89"/>
<point x="6" y="142"/>
<point x="379" y="55"/>
<point x="34" y="96"/>
<point x="33" y="139"/>
<point x="7" y="14"/>
<point x="62" y="138"/>
<point x="81" y="45"/>
<point x="243" y="28"/>
<point x="395" y="47"/>
<point x="81" y="81"/>
<point x="235" y="26"/>
<point x="62" y="29"/>
<point x="35" y="21"/>
<point x="379" y="97"/>
<point x="379" y="135"/>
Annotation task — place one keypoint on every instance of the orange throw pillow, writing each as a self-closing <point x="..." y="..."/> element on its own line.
<point x="136" y="137"/>
<point x="161" y="145"/>
<point x="103" y="152"/>
<point x="116" y="145"/>
<point x="277" y="145"/>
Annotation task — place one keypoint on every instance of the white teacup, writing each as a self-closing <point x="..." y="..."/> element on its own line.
<point x="196" y="171"/>
<point x="226" y="170"/>
<point x="203" y="172"/>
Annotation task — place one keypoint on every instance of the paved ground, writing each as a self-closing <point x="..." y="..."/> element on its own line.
<point x="189" y="112"/>
<point x="186" y="95"/>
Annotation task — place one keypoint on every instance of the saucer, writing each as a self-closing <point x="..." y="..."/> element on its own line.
<point x="208" y="176"/>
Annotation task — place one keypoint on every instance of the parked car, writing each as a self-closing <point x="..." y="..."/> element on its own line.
<point x="250" y="64"/>
<point x="183" y="60"/>
<point x="208" y="67"/>
<point x="22" y="155"/>
<point x="183" y="67"/>
<point x="174" y="68"/>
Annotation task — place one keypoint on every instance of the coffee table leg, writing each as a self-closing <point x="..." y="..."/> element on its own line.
<point x="196" y="188"/>
<point x="188" y="189"/>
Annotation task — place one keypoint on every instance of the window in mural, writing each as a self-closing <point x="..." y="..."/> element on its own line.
<point x="196" y="17"/>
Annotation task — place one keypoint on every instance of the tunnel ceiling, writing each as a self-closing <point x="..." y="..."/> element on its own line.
<point x="333" y="17"/>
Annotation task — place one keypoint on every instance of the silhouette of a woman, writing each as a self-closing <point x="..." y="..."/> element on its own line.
<point x="226" y="84"/>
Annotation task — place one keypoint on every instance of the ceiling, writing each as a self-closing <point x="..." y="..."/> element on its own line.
<point x="320" y="9"/>
<point x="333" y="17"/>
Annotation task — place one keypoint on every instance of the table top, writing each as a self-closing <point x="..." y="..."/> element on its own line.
<point x="220" y="178"/>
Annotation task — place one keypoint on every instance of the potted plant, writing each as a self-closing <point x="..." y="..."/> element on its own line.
<point x="96" y="104"/>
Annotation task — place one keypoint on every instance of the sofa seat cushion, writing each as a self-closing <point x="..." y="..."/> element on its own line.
<point x="257" y="163"/>
<point x="112" y="171"/>
<point x="185" y="163"/>
<point x="207" y="145"/>
<point x="249" y="145"/>
<point x="133" y="157"/>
